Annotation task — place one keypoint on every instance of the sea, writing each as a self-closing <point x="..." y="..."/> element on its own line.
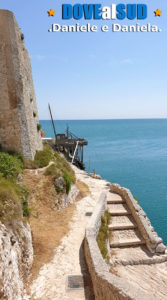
<point x="132" y="153"/>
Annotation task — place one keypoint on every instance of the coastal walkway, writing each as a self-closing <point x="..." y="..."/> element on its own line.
<point x="130" y="258"/>
<point x="126" y="243"/>
<point x="124" y="231"/>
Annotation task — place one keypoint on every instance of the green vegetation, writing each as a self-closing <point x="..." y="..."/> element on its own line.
<point x="26" y="210"/>
<point x="53" y="171"/>
<point x="13" y="196"/>
<point x="61" y="168"/>
<point x="58" y="189"/>
<point x="62" y="164"/>
<point x="103" y="234"/>
<point x="34" y="114"/>
<point x="10" y="206"/>
<point x="39" y="127"/>
<point x="42" y="158"/>
<point x="31" y="100"/>
<point x="10" y="165"/>
<point x="22" y="36"/>
<point x="67" y="180"/>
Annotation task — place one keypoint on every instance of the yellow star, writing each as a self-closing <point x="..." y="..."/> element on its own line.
<point x="158" y="12"/>
<point x="51" y="12"/>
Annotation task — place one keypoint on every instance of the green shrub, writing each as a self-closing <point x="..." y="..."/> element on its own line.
<point x="22" y="36"/>
<point x="67" y="180"/>
<point x="10" y="204"/>
<point x="53" y="171"/>
<point x="34" y="114"/>
<point x="10" y="165"/>
<point x="42" y="158"/>
<point x="61" y="168"/>
<point x="102" y="236"/>
<point x="62" y="163"/>
<point x="58" y="189"/>
<point x="39" y="127"/>
<point x="26" y="210"/>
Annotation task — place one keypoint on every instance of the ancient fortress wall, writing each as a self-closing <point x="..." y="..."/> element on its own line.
<point x="18" y="109"/>
<point x="105" y="284"/>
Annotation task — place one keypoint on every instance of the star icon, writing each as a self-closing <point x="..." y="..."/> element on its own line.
<point x="51" y="12"/>
<point x="158" y="13"/>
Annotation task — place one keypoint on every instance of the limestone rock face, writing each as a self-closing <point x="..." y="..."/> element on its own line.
<point x="18" y="110"/>
<point x="59" y="182"/>
<point x="70" y="198"/>
<point x="161" y="248"/>
<point x="16" y="257"/>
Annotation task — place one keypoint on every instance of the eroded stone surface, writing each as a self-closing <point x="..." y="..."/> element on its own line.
<point x="18" y="109"/>
<point x="16" y="257"/>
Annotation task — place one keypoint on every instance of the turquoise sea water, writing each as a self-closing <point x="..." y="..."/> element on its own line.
<point x="132" y="153"/>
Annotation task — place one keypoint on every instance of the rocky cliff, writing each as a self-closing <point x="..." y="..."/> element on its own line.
<point x="16" y="257"/>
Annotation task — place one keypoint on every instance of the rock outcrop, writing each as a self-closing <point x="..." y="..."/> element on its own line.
<point x="16" y="257"/>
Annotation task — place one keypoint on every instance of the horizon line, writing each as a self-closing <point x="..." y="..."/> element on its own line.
<point x="99" y="119"/>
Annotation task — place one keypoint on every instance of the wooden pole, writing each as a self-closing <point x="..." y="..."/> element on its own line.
<point x="54" y="129"/>
<point x="89" y="166"/>
<point x="82" y="154"/>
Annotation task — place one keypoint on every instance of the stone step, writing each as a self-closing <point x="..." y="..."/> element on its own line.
<point x="122" y="238"/>
<point x="114" y="198"/>
<point x="122" y="222"/>
<point x="135" y="255"/>
<point x="118" y="209"/>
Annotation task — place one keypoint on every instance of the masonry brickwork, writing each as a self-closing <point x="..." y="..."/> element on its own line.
<point x="18" y="109"/>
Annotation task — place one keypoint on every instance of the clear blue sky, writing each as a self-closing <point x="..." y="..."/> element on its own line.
<point x="95" y="75"/>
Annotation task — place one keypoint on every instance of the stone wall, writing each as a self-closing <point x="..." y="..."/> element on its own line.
<point x="153" y="241"/>
<point x="18" y="110"/>
<point x="106" y="285"/>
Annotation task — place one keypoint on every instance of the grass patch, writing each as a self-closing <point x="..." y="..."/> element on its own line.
<point x="67" y="180"/>
<point x="11" y="165"/>
<point x="62" y="164"/>
<point x="13" y="201"/>
<point x="61" y="168"/>
<point x="13" y="196"/>
<point x="53" y="171"/>
<point x="104" y="234"/>
<point x="10" y="206"/>
<point x="43" y="157"/>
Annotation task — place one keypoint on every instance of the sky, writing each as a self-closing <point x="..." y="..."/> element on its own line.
<point x="101" y="75"/>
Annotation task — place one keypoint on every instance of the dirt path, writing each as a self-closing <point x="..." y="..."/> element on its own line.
<point x="44" y="218"/>
<point x="68" y="257"/>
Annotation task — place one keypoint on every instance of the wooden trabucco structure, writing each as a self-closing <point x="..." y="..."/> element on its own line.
<point x="70" y="145"/>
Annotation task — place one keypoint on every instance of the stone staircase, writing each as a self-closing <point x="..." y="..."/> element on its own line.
<point x="124" y="232"/>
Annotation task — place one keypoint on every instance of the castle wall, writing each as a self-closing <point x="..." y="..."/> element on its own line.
<point x="18" y="109"/>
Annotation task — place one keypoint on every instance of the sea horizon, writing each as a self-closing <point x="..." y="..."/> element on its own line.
<point x="104" y="119"/>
